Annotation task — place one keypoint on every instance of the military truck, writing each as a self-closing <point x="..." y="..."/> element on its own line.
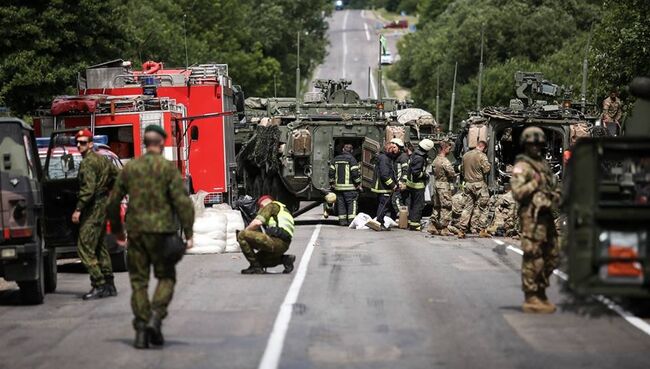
<point x="607" y="201"/>
<point x="501" y="127"/>
<point x="291" y="143"/>
<point x="24" y="257"/>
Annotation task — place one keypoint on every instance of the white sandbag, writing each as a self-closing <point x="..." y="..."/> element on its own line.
<point x="359" y="222"/>
<point x="206" y="245"/>
<point x="232" y="247"/>
<point x="389" y="222"/>
<point x="235" y="221"/>
<point x="217" y="234"/>
<point x="198" y="202"/>
<point x="209" y="224"/>
<point x="221" y="207"/>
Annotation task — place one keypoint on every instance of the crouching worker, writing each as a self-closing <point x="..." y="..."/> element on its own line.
<point x="270" y="233"/>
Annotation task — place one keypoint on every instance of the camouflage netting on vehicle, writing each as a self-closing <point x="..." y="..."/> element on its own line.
<point x="265" y="151"/>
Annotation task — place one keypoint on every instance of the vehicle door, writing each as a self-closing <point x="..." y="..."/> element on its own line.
<point x="369" y="150"/>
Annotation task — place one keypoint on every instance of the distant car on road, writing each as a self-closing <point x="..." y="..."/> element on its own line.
<point x="61" y="188"/>
<point x="338" y="5"/>
<point x="387" y="58"/>
<point x="402" y="23"/>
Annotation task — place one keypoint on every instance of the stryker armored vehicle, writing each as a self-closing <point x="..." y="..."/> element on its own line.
<point x="501" y="127"/>
<point x="291" y="143"/>
<point x="607" y="201"/>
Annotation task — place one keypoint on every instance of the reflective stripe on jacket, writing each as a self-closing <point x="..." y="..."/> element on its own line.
<point x="384" y="177"/>
<point x="344" y="173"/>
<point x="283" y="219"/>
<point x="417" y="171"/>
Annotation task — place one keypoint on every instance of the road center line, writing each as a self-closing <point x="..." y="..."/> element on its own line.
<point x="275" y="344"/>
<point x="365" y="26"/>
<point x="345" y="40"/>
<point x="611" y="305"/>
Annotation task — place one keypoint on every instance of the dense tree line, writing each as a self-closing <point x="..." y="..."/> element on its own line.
<point x="46" y="43"/>
<point x="548" y="36"/>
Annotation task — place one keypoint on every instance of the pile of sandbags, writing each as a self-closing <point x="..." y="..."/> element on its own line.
<point x="215" y="228"/>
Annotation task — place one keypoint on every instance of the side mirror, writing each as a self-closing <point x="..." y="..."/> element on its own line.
<point x="194" y="133"/>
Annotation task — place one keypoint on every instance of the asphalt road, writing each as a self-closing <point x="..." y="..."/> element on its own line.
<point x="358" y="299"/>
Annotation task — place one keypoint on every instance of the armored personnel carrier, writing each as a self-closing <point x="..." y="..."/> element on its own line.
<point x="288" y="146"/>
<point x="562" y="121"/>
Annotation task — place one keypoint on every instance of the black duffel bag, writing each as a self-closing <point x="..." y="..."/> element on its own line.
<point x="173" y="248"/>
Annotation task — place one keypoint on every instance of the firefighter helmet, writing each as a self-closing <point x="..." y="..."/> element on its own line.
<point x="397" y="142"/>
<point x="532" y="135"/>
<point x="426" y="144"/>
<point x="330" y="198"/>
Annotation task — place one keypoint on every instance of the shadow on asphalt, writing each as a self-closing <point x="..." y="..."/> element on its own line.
<point x="10" y="298"/>
<point x="129" y="342"/>
<point x="76" y="268"/>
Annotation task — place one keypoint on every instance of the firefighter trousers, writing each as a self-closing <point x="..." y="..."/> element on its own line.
<point x="383" y="206"/>
<point x="416" y="205"/>
<point x="346" y="204"/>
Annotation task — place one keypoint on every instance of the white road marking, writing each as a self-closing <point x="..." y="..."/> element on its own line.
<point x="345" y="40"/>
<point x="637" y="322"/>
<point x="363" y="14"/>
<point x="275" y="344"/>
<point x="365" y="26"/>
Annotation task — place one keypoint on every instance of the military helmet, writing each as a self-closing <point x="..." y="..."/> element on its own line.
<point x="330" y="198"/>
<point x="398" y="142"/>
<point x="533" y="135"/>
<point x="426" y="144"/>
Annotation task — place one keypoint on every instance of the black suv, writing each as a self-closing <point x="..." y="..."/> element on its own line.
<point x="24" y="257"/>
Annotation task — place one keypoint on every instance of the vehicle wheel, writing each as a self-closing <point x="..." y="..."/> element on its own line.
<point x="257" y="186"/>
<point x="33" y="292"/>
<point x="50" y="270"/>
<point x="118" y="260"/>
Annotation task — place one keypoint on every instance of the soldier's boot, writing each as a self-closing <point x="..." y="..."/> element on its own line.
<point x="534" y="305"/>
<point x="97" y="292"/>
<point x="154" y="328"/>
<point x="110" y="285"/>
<point x="445" y="232"/>
<point x="287" y="261"/>
<point x="484" y="234"/>
<point x="141" y="340"/>
<point x="253" y="269"/>
<point x="431" y="228"/>
<point x="541" y="294"/>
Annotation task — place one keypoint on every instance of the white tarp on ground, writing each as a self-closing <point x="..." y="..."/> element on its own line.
<point x="215" y="228"/>
<point x="359" y="222"/>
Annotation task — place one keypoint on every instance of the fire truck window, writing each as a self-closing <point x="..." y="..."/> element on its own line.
<point x="194" y="133"/>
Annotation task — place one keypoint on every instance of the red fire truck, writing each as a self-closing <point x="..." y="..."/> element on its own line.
<point x="200" y="103"/>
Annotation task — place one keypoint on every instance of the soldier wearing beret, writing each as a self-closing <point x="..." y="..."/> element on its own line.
<point x="96" y="178"/>
<point x="157" y="198"/>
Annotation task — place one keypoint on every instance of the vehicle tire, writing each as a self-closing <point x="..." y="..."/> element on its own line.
<point x="118" y="260"/>
<point x="50" y="270"/>
<point x="33" y="292"/>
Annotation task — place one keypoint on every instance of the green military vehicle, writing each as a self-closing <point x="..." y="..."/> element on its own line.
<point x="607" y="201"/>
<point x="24" y="257"/>
<point x="562" y="121"/>
<point x="287" y="149"/>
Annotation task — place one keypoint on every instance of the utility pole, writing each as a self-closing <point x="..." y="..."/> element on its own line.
<point x="298" y="68"/>
<point x="437" y="95"/>
<point x="187" y="63"/>
<point x="369" y="76"/>
<point x="480" y="74"/>
<point x="453" y="99"/>
<point x="585" y="71"/>
<point x="275" y="86"/>
<point x="382" y="47"/>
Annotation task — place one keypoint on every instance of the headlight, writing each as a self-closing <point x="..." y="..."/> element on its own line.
<point x="8" y="253"/>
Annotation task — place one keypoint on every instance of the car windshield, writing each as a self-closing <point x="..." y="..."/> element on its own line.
<point x="56" y="168"/>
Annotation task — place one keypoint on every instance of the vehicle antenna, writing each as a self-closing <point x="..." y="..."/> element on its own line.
<point x="187" y="63"/>
<point x="438" y="94"/>
<point x="480" y="74"/>
<point x="298" y="69"/>
<point x="453" y="99"/>
<point x="369" y="76"/>
<point x="585" y="71"/>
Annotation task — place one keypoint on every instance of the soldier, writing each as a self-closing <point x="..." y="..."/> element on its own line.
<point x="505" y="215"/>
<point x="345" y="180"/>
<point x="384" y="180"/>
<point x="96" y="178"/>
<point x="612" y="111"/>
<point x="444" y="176"/>
<point x="458" y="202"/>
<point x="475" y="167"/>
<point x="401" y="168"/>
<point x="535" y="188"/>
<point x="157" y="197"/>
<point x="272" y="242"/>
<point x="416" y="182"/>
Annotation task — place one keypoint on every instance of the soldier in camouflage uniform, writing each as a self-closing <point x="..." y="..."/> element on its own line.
<point x="272" y="242"/>
<point x="475" y="167"/>
<point x="535" y="188"/>
<point x="444" y="175"/>
<point x="96" y="177"/>
<point x="612" y="112"/>
<point x="458" y="202"/>
<point x="504" y="222"/>
<point x="157" y="202"/>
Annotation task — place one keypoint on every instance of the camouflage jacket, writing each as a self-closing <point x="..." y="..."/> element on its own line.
<point x="96" y="177"/>
<point x="475" y="166"/>
<point x="612" y="110"/>
<point x="156" y="197"/>
<point x="443" y="171"/>
<point x="532" y="180"/>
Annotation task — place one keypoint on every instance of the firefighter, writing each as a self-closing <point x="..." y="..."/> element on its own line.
<point x="96" y="178"/>
<point x="329" y="205"/>
<point x="401" y="167"/>
<point x="345" y="180"/>
<point x="384" y="181"/>
<point x="416" y="182"/>
<point x="272" y="241"/>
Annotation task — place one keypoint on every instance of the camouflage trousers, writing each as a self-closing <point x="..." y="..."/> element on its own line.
<point x="441" y="216"/>
<point x="541" y="252"/>
<point x="504" y="220"/>
<point x="476" y="207"/>
<point x="91" y="245"/>
<point x="145" y="251"/>
<point x="270" y="249"/>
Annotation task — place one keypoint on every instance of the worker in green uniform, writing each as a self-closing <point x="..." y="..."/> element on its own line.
<point x="270" y="233"/>
<point x="96" y="178"/>
<point x="157" y="202"/>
